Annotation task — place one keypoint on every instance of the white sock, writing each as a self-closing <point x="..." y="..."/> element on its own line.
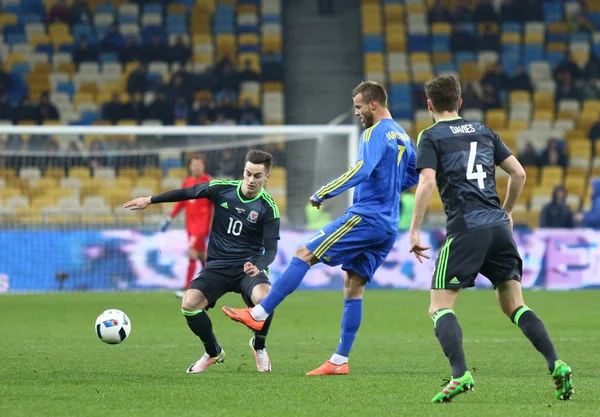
<point x="258" y="313"/>
<point x="338" y="359"/>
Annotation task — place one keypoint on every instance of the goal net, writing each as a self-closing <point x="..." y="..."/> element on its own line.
<point x="62" y="189"/>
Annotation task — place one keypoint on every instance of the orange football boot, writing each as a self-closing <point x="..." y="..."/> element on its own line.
<point x="242" y="315"/>
<point x="329" y="368"/>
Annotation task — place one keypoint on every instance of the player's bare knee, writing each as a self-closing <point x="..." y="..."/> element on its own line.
<point x="510" y="296"/>
<point x="442" y="299"/>
<point x="433" y="308"/>
<point x="354" y="285"/>
<point x="259" y="293"/>
<point x="194" y="300"/>
<point x="306" y="255"/>
<point x="508" y="306"/>
<point x="193" y="254"/>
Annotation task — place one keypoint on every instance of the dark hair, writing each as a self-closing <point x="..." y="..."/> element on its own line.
<point x="199" y="156"/>
<point x="260" y="158"/>
<point x="444" y="93"/>
<point x="371" y="91"/>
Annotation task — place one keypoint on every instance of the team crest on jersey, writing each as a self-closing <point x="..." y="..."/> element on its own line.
<point x="253" y="216"/>
<point x="240" y="210"/>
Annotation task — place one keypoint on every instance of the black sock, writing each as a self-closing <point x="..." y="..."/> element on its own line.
<point x="536" y="332"/>
<point x="261" y="337"/>
<point x="449" y="334"/>
<point x="201" y="325"/>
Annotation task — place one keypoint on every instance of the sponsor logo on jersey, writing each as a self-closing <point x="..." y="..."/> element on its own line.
<point x="253" y="216"/>
<point x="240" y="210"/>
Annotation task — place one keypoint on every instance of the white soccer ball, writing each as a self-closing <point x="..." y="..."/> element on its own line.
<point x="113" y="326"/>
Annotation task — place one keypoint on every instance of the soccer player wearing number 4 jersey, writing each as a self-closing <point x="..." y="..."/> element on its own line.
<point x="461" y="156"/>
<point x="362" y="238"/>
<point x="243" y="243"/>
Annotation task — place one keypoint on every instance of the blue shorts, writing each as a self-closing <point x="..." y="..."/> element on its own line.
<point x="353" y="243"/>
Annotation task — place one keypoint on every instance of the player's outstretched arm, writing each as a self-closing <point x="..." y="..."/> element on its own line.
<point x="189" y="193"/>
<point x="354" y="176"/>
<point x="516" y="181"/>
<point x="139" y="203"/>
<point x="422" y="198"/>
<point x="370" y="152"/>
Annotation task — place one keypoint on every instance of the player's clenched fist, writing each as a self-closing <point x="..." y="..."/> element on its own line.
<point x="315" y="202"/>
<point x="250" y="269"/>
<point x="139" y="203"/>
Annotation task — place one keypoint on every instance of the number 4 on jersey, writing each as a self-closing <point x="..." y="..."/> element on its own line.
<point x="478" y="175"/>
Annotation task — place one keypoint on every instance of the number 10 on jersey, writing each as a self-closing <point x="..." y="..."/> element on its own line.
<point x="475" y="172"/>
<point x="235" y="227"/>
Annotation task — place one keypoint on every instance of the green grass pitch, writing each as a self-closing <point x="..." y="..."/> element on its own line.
<point x="52" y="363"/>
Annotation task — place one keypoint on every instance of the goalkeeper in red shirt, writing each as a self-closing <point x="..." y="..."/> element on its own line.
<point x="198" y="218"/>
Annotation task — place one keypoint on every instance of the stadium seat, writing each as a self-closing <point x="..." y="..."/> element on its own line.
<point x="79" y="173"/>
<point x="564" y="125"/>
<point x="123" y="183"/>
<point x="509" y="138"/>
<point x="517" y="125"/>
<point x="551" y="176"/>
<point x="128" y="217"/>
<point x="152" y="173"/>
<point x="496" y="119"/>
<point x="26" y="215"/>
<point x="394" y="13"/>
<point x="374" y="62"/>
<point x="587" y="120"/>
<point x="42" y="185"/>
<point x="68" y="203"/>
<point x="521" y="111"/>
<point x="590" y="106"/>
<point x="105" y="173"/>
<point x="435" y="204"/>
<point x="30" y="173"/>
<point x="73" y="183"/>
<point x="576" y="185"/>
<point x="56" y="173"/>
<point x="469" y="72"/>
<point x="474" y="115"/>
<point x="7" y="193"/>
<point x="569" y="108"/>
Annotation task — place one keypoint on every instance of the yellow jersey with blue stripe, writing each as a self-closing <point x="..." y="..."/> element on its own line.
<point x="385" y="166"/>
